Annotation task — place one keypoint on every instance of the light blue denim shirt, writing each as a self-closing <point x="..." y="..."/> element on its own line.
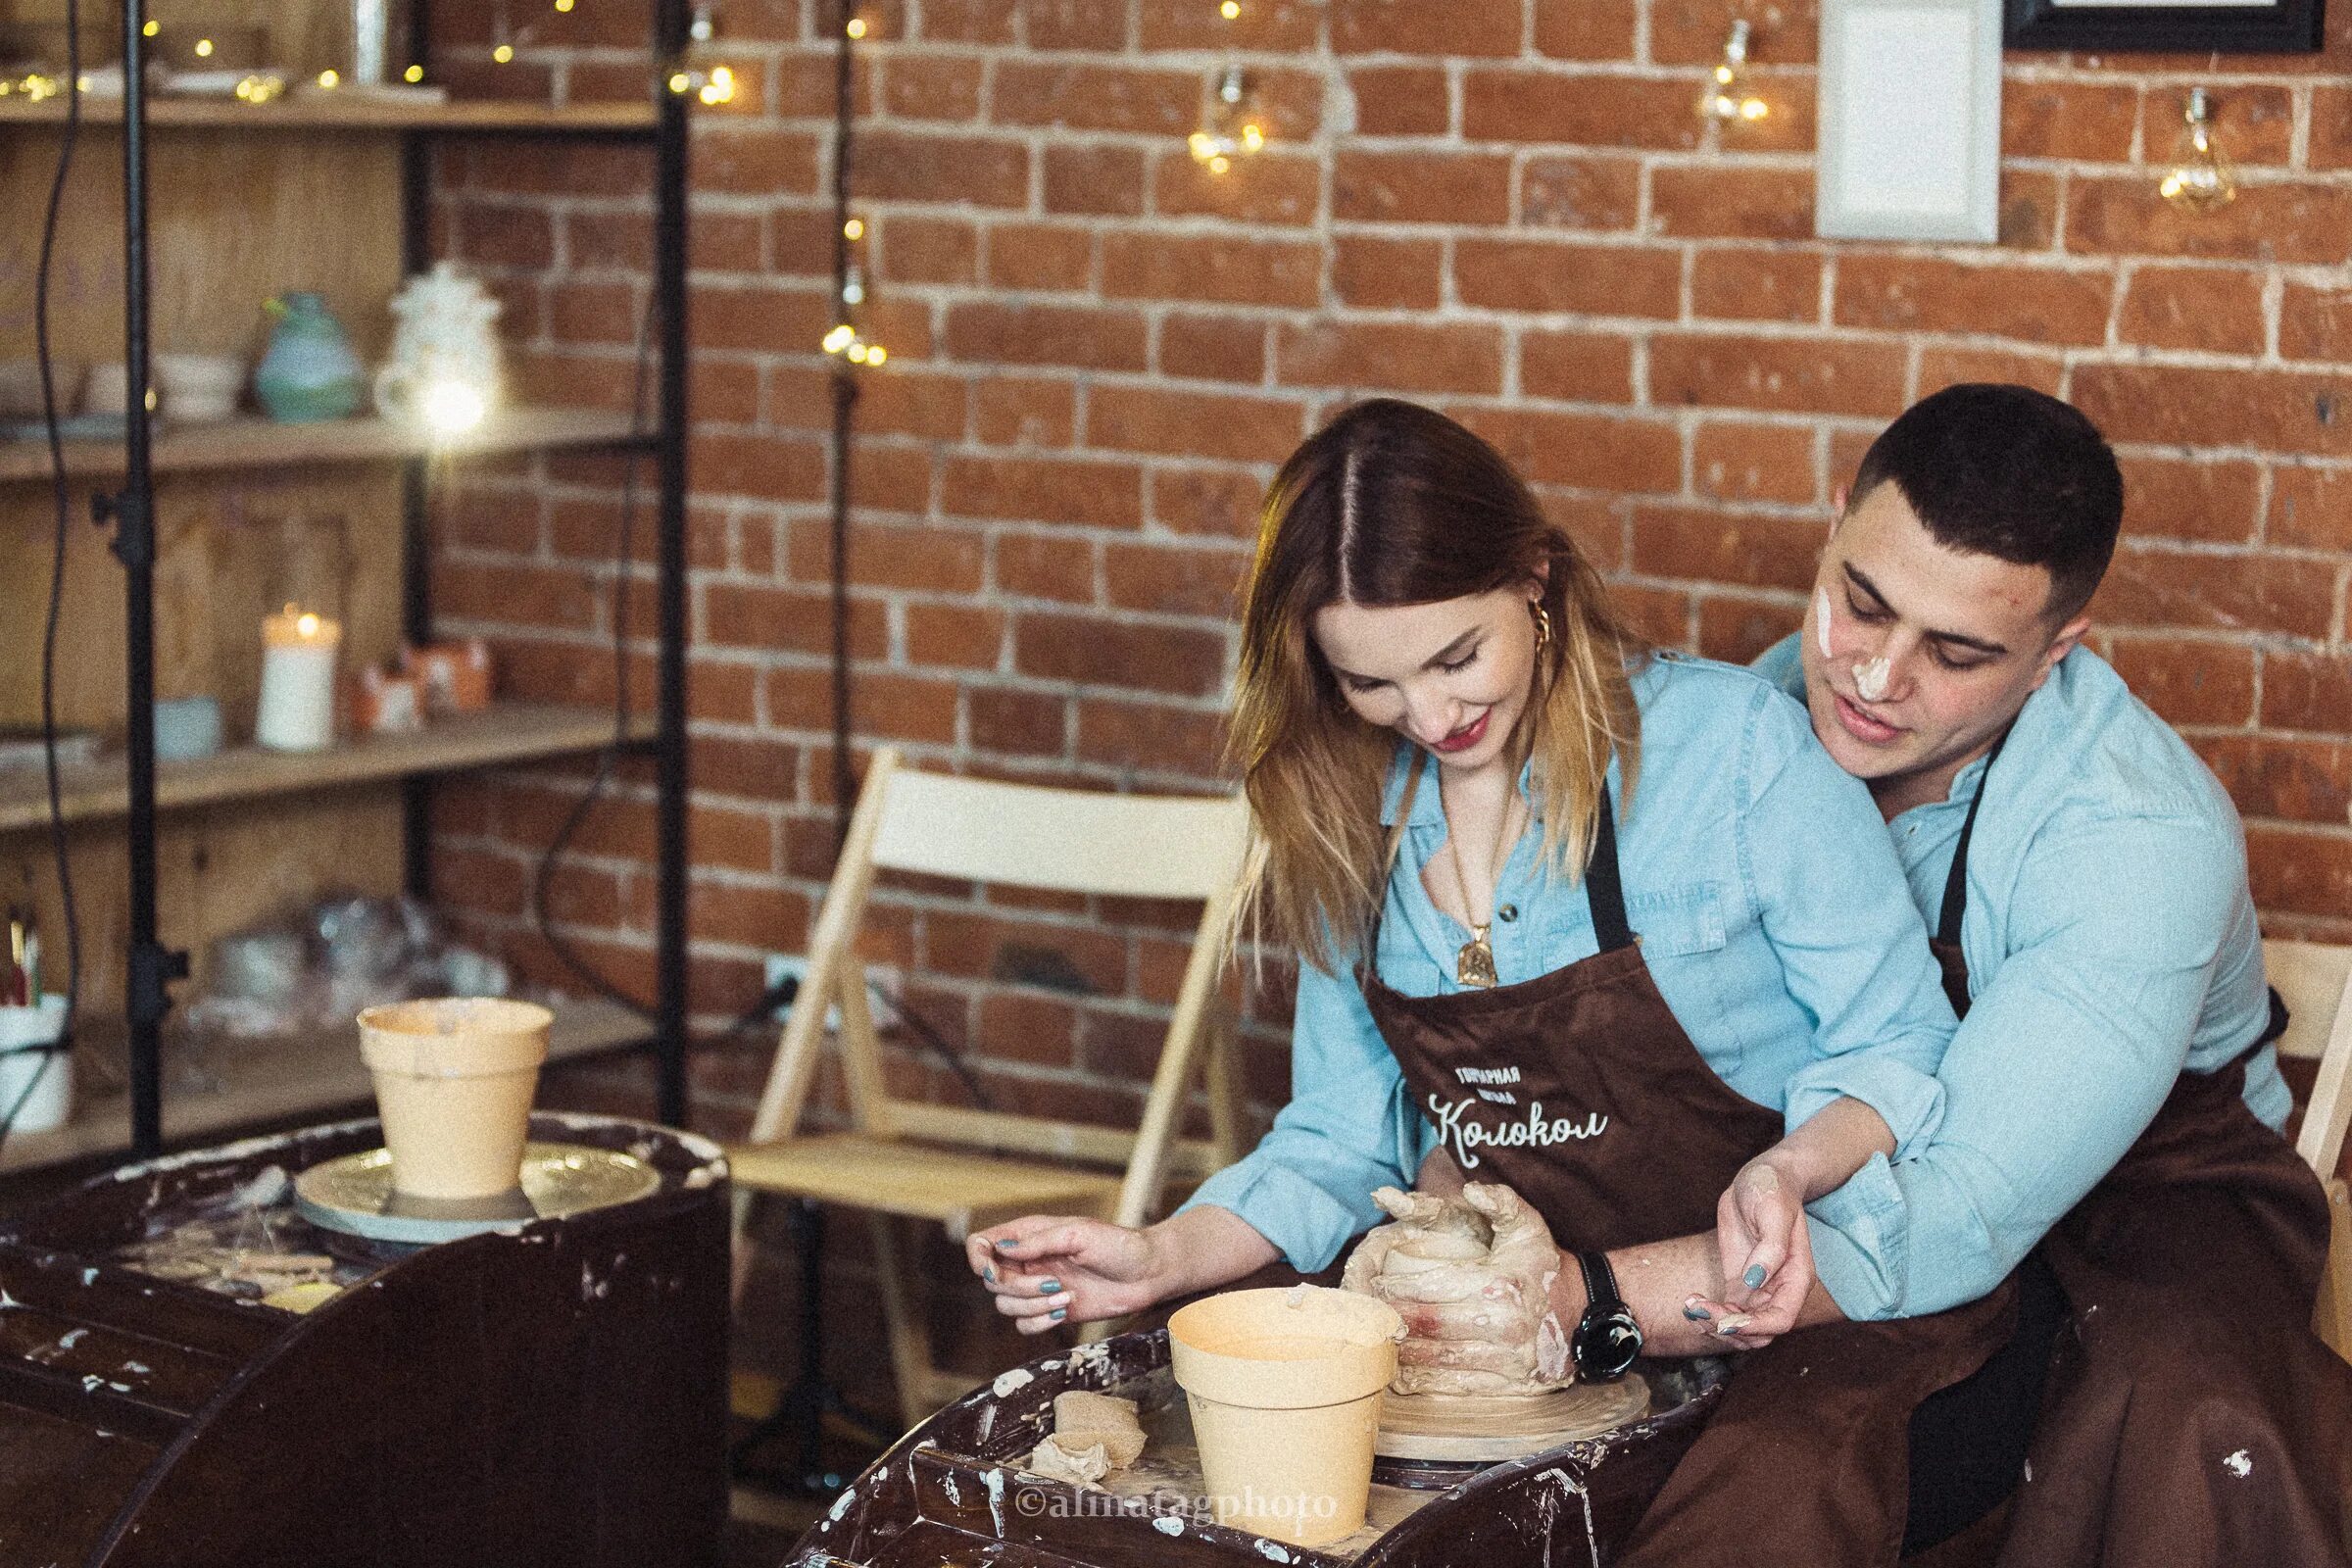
<point x="1772" y="912"/>
<point x="2111" y="942"/>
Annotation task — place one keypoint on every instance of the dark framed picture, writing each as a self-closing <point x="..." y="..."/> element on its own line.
<point x="2280" y="26"/>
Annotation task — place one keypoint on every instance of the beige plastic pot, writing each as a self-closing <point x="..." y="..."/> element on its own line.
<point x="1285" y="1388"/>
<point x="454" y="1081"/>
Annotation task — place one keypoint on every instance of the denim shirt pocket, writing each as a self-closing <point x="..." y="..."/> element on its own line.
<point x="1677" y="921"/>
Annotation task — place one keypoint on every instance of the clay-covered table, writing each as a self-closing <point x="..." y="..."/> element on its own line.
<point x="551" y="1394"/>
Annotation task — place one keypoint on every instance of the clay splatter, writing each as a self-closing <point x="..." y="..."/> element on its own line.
<point x="1007" y="1382"/>
<point x="2239" y="1464"/>
<point x="1167" y="1524"/>
<point x="840" y="1504"/>
<point x="996" y="1499"/>
<point x="1821" y="620"/>
<point x="1870" y="680"/>
<point x="1272" y="1551"/>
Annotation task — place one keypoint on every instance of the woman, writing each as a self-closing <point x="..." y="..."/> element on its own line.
<point x="1628" y="925"/>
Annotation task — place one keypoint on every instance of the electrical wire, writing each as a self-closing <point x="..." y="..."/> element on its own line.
<point x="609" y="757"/>
<point x="51" y="1059"/>
<point x="760" y="1015"/>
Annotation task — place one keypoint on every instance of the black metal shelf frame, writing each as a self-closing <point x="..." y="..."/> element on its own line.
<point x="153" y="965"/>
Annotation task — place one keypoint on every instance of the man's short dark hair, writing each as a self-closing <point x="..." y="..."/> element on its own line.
<point x="2009" y="473"/>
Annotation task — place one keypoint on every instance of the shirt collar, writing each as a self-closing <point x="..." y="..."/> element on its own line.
<point x="1429" y="806"/>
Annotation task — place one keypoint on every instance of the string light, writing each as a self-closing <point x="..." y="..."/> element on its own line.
<point x="856" y="27"/>
<point x="412" y="74"/>
<point x="203" y="48"/>
<point x="1727" y="95"/>
<point x="504" y="53"/>
<point x="1230" y="10"/>
<point x="1230" y="125"/>
<point x="854" y="230"/>
<point x="150" y="30"/>
<point x="329" y="80"/>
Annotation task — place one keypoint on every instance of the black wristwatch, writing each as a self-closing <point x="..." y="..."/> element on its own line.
<point x="1607" y="1339"/>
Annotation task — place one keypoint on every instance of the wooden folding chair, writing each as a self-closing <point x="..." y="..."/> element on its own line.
<point x="967" y="1169"/>
<point x="2316" y="981"/>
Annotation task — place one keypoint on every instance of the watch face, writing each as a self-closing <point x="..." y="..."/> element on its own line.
<point x="1605" y="1343"/>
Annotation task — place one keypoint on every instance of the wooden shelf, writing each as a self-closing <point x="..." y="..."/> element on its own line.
<point x="255" y="443"/>
<point x="263" y="1082"/>
<point x="325" y="110"/>
<point x="510" y="732"/>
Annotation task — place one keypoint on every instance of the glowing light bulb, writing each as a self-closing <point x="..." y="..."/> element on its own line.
<point x="841" y="338"/>
<point x="875" y="354"/>
<point x="720" y="88"/>
<point x="329" y="80"/>
<point x="853" y="288"/>
<point x="1230" y="10"/>
<point x="564" y="5"/>
<point x="2200" y="177"/>
<point x="150" y="30"/>
<point x="1728" y="95"/>
<point x="854" y="229"/>
<point x="1230" y="127"/>
<point x="453" y="408"/>
<point x="856" y="27"/>
<point x="306" y="625"/>
<point x="412" y="74"/>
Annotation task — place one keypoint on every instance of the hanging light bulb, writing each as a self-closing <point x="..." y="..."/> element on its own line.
<point x="713" y="83"/>
<point x="1230" y="125"/>
<point x="1230" y="10"/>
<point x="1728" y="94"/>
<point x="2200" y="177"/>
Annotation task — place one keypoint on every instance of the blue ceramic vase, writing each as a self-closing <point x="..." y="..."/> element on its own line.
<point x="309" y="370"/>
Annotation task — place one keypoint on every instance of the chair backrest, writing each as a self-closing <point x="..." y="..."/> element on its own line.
<point x="2315" y="980"/>
<point x="1068" y="841"/>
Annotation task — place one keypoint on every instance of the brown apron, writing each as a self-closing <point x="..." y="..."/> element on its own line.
<point x="1581" y="1091"/>
<point x="2192" y="1415"/>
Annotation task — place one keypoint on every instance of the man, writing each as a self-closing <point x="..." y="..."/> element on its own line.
<point x="2111" y="1087"/>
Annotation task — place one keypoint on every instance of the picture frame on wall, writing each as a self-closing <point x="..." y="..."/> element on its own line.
<point x="1909" y="121"/>
<point x="2167" y="26"/>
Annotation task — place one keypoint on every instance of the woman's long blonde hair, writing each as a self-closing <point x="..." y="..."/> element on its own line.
<point x="1394" y="504"/>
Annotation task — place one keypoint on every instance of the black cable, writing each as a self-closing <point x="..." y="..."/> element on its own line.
<point x="761" y="1014"/>
<point x="609" y="759"/>
<point x="57" y="566"/>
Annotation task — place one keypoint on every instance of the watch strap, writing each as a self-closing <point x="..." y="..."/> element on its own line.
<point x="1601" y="1280"/>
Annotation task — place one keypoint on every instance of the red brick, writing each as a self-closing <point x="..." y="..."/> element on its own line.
<point x="1118" y="652"/>
<point x="967" y="170"/>
<point x="2332" y="127"/>
<point x="724" y="692"/>
<point x="1581" y="193"/>
<point x="2187" y="682"/>
<point x="1390" y="356"/>
<point x="912" y="402"/>
<point x="756" y="616"/>
<point x="2271" y="411"/>
<point x="1133" y="418"/>
<point x="755" y="159"/>
<point x="2311" y="509"/>
<point x="2300" y="871"/>
<point x="756" y="466"/>
<point x="749" y="915"/>
<point x="2211" y="308"/>
<point x="761" y="317"/>
<point x="1596" y="522"/>
<point x="1741" y="462"/>
<point x="1518" y="105"/>
<point x="1590" y="451"/>
<point x="507" y="236"/>
<point x="1576" y="366"/>
<point x="1421" y="187"/>
<point x="1217" y="267"/>
<point x="1459" y="28"/>
<point x="1213" y="348"/>
<point x="1940" y="367"/>
<point x="926" y="86"/>
<point x="1150" y="737"/>
<point x="2307" y="691"/>
<point x="1735" y="629"/>
<point x="1025" y="723"/>
<point x="1552" y="277"/>
<point x="1910" y="294"/>
<point x="963" y="20"/>
<point x="1756" y="285"/>
<point x="759" y="769"/>
<point x="1009" y="411"/>
<point x="1715" y="201"/>
<point x="1691" y="32"/>
<point x="1777" y="373"/>
<point x="2078" y="123"/>
<point x="1034" y="567"/>
<point x="724" y="242"/>
<point x="1265" y="26"/>
<point x="1708" y="546"/>
<point x="2202" y="498"/>
<point x="1091" y="25"/>
<point x="1028" y="1029"/>
<point x="1660" y="615"/>
<point x="1584" y="29"/>
<point x="1375" y="273"/>
<point x="2253" y="123"/>
<point x="926" y="250"/>
<point x="2148" y="587"/>
<point x="2029" y="205"/>
<point x="1400" y="100"/>
<point x="554" y="597"/>
<point x="2298" y="781"/>
<point x="2314" y="324"/>
<point x="961" y="635"/>
<point x="2268" y="222"/>
<point x="1100" y="180"/>
<point x="1092" y="97"/>
<point x="1100" y="493"/>
<point x="1182" y="581"/>
<point x="1207" y="500"/>
<point x="1273" y="187"/>
<point x="993" y="332"/>
<point x="1040" y="256"/>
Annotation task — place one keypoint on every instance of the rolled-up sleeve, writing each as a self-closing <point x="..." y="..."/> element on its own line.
<point x="1837" y="912"/>
<point x="2062" y="1062"/>
<point x="1350" y="1127"/>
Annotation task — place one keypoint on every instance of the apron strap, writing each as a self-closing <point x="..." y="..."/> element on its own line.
<point x="1955" y="886"/>
<point x="1602" y="889"/>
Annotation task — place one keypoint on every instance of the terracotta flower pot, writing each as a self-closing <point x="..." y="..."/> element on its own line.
<point x="454" y="1081"/>
<point x="1285" y="1388"/>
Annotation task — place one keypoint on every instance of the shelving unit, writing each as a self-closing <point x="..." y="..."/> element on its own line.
<point x="331" y="192"/>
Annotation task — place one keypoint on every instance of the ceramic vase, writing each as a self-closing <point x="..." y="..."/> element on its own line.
<point x="454" y="1081"/>
<point x="310" y="370"/>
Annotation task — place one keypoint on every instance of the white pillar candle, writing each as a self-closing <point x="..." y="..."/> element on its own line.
<point x="298" y="682"/>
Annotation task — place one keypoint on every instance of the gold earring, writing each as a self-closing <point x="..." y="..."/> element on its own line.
<point x="1543" y="629"/>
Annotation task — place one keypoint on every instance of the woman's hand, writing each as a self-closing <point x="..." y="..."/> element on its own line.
<point x="1766" y="1254"/>
<point x="1478" y="1319"/>
<point x="1047" y="1269"/>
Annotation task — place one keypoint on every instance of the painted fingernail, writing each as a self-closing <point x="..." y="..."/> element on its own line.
<point x="1753" y="1277"/>
<point x="1694" y="1308"/>
<point x="1734" y="1324"/>
<point x="1006" y="1243"/>
<point x="1058" y="1314"/>
<point x="1050" y="1288"/>
<point x="988" y="1274"/>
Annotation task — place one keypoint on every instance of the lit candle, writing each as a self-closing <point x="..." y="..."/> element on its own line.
<point x="298" y="682"/>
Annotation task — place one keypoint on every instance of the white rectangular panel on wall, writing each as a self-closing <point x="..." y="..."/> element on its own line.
<point x="1910" y="120"/>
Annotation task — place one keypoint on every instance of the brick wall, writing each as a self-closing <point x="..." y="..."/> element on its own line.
<point x="1098" y="353"/>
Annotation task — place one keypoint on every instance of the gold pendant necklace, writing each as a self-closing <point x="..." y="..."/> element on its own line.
<point x="1474" y="965"/>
